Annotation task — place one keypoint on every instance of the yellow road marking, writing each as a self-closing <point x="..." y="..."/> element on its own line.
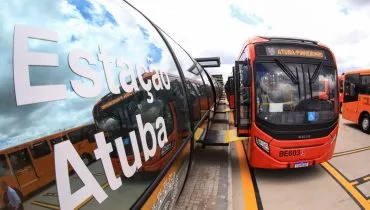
<point x="351" y="151"/>
<point x="231" y="118"/>
<point x="356" y="195"/>
<point x="246" y="178"/>
<point x="51" y="194"/>
<point x="91" y="197"/>
<point x="231" y="135"/>
<point x="367" y="178"/>
<point x="198" y="133"/>
<point x="354" y="182"/>
<point x="98" y="174"/>
<point x="45" y="205"/>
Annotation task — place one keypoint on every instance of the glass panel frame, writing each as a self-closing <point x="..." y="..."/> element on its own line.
<point x="243" y="95"/>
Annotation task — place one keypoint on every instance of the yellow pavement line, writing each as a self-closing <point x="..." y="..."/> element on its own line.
<point x="98" y="174"/>
<point x="231" y="118"/>
<point x="198" y="133"/>
<point x="226" y="110"/>
<point x="246" y="178"/>
<point x="354" y="193"/>
<point x="51" y="194"/>
<point x="354" y="182"/>
<point x="231" y="135"/>
<point x="45" y="205"/>
<point x="351" y="151"/>
<point x="91" y="197"/>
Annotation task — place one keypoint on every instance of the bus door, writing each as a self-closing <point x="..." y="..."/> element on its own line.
<point x="23" y="170"/>
<point x="42" y="156"/>
<point x="350" y="100"/>
<point x="5" y="175"/>
<point x="243" y="97"/>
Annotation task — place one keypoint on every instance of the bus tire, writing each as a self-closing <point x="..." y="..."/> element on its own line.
<point x="365" y="123"/>
<point x="87" y="159"/>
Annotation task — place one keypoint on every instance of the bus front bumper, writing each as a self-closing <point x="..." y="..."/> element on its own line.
<point x="292" y="157"/>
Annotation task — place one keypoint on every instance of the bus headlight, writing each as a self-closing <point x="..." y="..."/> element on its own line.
<point x="263" y="145"/>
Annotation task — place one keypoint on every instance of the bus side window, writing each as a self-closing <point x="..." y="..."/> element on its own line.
<point x="351" y="87"/>
<point x="89" y="132"/>
<point x="75" y="136"/>
<point x="4" y="167"/>
<point x="20" y="159"/>
<point x="40" y="149"/>
<point x="91" y="136"/>
<point x="55" y="141"/>
<point x="365" y="85"/>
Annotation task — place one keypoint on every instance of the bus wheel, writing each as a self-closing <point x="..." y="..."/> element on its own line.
<point x="365" y="123"/>
<point x="87" y="159"/>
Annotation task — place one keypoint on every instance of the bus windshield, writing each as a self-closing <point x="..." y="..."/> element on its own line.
<point x="294" y="93"/>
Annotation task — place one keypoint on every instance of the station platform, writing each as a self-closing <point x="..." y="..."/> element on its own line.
<point x="222" y="179"/>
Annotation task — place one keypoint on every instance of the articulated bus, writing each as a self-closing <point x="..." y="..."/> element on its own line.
<point x="115" y="115"/>
<point x="100" y="108"/>
<point x="356" y="100"/>
<point x="286" y="102"/>
<point x="341" y="89"/>
<point x="29" y="166"/>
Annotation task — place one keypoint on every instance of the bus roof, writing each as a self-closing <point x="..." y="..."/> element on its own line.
<point x="278" y="39"/>
<point x="359" y="71"/>
<point x="29" y="142"/>
<point x="256" y="39"/>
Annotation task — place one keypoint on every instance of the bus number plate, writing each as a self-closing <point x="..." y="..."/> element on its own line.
<point x="300" y="164"/>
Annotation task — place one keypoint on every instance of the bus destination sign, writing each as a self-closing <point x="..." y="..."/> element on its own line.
<point x="295" y="52"/>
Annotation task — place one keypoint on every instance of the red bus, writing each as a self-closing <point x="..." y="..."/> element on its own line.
<point x="286" y="102"/>
<point x="356" y="100"/>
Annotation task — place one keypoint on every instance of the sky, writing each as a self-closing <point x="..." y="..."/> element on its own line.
<point x="204" y="29"/>
<point x="79" y="24"/>
<point x="220" y="27"/>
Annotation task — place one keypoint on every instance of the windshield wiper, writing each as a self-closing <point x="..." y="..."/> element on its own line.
<point x="287" y="71"/>
<point x="316" y="73"/>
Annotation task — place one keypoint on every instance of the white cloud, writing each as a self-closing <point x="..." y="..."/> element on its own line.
<point x="75" y="31"/>
<point x="207" y="28"/>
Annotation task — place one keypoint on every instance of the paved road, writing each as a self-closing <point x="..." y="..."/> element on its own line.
<point x="343" y="183"/>
<point x="122" y="198"/>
